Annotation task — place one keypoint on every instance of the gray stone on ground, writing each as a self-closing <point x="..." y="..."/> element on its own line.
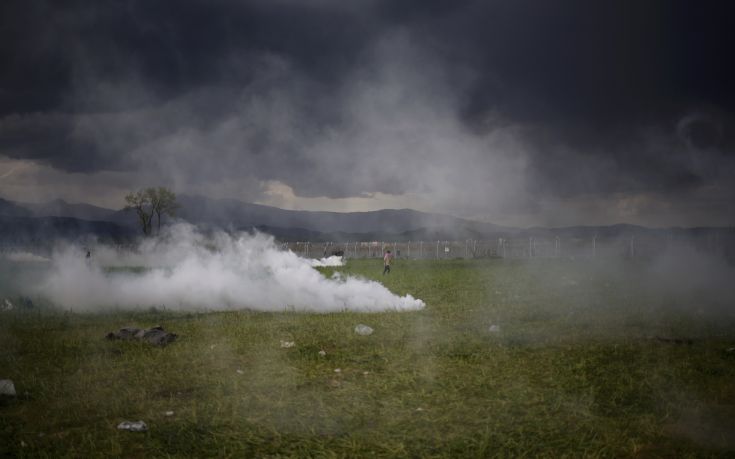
<point x="364" y="330"/>
<point x="7" y="387"/>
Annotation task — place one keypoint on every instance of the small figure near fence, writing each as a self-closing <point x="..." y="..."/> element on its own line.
<point x="386" y="262"/>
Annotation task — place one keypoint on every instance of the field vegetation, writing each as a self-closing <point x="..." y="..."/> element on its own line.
<point x="538" y="358"/>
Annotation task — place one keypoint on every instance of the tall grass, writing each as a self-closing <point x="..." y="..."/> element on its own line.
<point x="582" y="361"/>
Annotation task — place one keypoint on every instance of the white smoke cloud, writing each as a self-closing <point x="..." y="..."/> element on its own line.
<point x="186" y="270"/>
<point x="334" y="260"/>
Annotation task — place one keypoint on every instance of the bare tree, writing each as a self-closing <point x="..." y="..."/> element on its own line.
<point x="163" y="202"/>
<point x="149" y="202"/>
<point x="140" y="202"/>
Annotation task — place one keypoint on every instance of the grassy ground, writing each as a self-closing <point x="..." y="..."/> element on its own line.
<point x="586" y="362"/>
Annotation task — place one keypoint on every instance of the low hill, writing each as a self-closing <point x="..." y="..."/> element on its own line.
<point x="70" y="220"/>
<point x="61" y="208"/>
<point x="45" y="231"/>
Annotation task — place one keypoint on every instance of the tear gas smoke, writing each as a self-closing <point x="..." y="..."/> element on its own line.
<point x="334" y="260"/>
<point x="184" y="269"/>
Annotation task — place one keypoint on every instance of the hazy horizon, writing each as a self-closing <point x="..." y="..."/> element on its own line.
<point x="550" y="114"/>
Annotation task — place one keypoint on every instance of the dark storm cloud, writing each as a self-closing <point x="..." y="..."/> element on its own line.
<point x="343" y="98"/>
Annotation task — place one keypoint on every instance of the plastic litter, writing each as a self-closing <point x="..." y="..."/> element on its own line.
<point x="169" y="413"/>
<point x="494" y="328"/>
<point x="156" y="336"/>
<point x="133" y="426"/>
<point x="323" y="353"/>
<point x="364" y="330"/>
<point x="287" y="344"/>
<point x="7" y="306"/>
<point x="7" y="387"/>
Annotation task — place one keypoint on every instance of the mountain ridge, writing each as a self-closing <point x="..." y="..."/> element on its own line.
<point x="294" y="225"/>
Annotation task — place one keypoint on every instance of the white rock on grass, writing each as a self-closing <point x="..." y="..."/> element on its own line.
<point x="7" y="387"/>
<point x="364" y="330"/>
<point x="133" y="426"/>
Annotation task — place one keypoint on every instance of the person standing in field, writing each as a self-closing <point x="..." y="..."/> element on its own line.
<point x="386" y="262"/>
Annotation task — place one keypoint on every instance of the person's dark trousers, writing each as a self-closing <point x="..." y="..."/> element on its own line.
<point x="386" y="269"/>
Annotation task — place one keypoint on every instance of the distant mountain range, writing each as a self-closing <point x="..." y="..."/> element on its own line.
<point x="27" y="223"/>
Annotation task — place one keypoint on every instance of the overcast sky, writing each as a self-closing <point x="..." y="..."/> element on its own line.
<point x="516" y="112"/>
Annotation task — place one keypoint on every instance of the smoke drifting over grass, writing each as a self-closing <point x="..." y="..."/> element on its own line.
<point x="185" y="269"/>
<point x="334" y="260"/>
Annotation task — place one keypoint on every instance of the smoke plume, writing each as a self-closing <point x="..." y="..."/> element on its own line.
<point x="186" y="270"/>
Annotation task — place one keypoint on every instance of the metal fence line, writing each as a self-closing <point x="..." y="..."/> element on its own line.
<point x="638" y="246"/>
<point x="514" y="248"/>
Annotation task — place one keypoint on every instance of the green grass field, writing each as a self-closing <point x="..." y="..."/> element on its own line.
<point x="587" y="361"/>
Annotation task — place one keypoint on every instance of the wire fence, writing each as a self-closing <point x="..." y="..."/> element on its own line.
<point x="634" y="246"/>
<point x="518" y="247"/>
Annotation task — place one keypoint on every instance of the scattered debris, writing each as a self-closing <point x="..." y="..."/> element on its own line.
<point x="675" y="340"/>
<point x="323" y="353"/>
<point x="169" y="413"/>
<point x="569" y="282"/>
<point x="494" y="328"/>
<point x="25" y="302"/>
<point x="156" y="336"/>
<point x="133" y="426"/>
<point x="287" y="344"/>
<point x="7" y="387"/>
<point x="364" y="330"/>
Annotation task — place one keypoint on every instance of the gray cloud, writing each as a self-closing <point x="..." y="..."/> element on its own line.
<point x="484" y="108"/>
